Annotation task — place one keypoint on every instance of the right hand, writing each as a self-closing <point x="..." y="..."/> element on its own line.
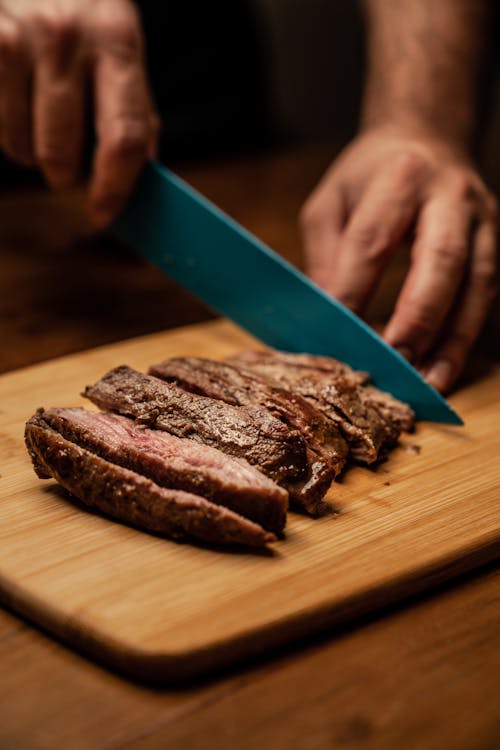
<point x="387" y="183"/>
<point x="60" y="59"/>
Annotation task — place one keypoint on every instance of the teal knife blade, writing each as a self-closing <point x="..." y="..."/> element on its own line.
<point x="194" y="242"/>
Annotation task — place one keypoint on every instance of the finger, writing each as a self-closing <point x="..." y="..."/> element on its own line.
<point x="321" y="221"/>
<point x="123" y="121"/>
<point x="449" y="359"/>
<point x="440" y="254"/>
<point x="59" y="83"/>
<point x="15" y="109"/>
<point x="385" y="212"/>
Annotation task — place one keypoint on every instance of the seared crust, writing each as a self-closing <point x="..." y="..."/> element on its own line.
<point x="175" y="463"/>
<point x="326" y="448"/>
<point x="392" y="409"/>
<point x="225" y="434"/>
<point x="367" y="430"/>
<point x="310" y="361"/>
<point x="245" y="432"/>
<point x="130" y="497"/>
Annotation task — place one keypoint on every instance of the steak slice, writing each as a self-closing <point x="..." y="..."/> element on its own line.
<point x="309" y="361"/>
<point x="246" y="432"/>
<point x="390" y="407"/>
<point x="393" y="409"/>
<point x="326" y="448"/>
<point x="175" y="463"/>
<point x="368" y="433"/>
<point x="130" y="497"/>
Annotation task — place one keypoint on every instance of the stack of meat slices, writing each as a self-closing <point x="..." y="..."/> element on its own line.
<point x="216" y="450"/>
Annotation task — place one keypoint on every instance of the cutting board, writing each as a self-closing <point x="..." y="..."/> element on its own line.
<point x="162" y="610"/>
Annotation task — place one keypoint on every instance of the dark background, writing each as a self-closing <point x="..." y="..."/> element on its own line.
<point x="232" y="76"/>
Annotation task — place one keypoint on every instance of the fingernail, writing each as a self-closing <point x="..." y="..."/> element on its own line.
<point x="405" y="352"/>
<point x="440" y="375"/>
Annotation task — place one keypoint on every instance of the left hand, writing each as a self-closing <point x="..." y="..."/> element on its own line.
<point x="61" y="61"/>
<point x="385" y="183"/>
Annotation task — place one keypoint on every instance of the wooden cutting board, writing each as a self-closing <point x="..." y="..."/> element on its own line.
<point x="156" y="609"/>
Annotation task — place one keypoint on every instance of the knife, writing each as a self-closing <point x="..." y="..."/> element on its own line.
<point x="194" y="242"/>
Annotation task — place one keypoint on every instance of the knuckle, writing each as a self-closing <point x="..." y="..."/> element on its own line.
<point x="373" y="241"/>
<point x="309" y="216"/>
<point x="462" y="186"/>
<point x="420" y="320"/>
<point x="120" y="34"/>
<point x="408" y="165"/>
<point x="451" y="252"/>
<point x="10" y="42"/>
<point x="317" y="214"/>
<point x="54" y="30"/>
<point x="129" y="136"/>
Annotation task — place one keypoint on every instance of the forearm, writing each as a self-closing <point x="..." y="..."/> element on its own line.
<point x="425" y="65"/>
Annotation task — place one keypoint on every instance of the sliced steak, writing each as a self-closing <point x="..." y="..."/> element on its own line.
<point x="241" y="387"/>
<point x="390" y="407"/>
<point x="326" y="448"/>
<point x="368" y="433"/>
<point x="130" y="497"/>
<point x="175" y="463"/>
<point x="310" y="361"/>
<point x="246" y="432"/>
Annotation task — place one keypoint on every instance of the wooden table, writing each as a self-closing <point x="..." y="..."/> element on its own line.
<point x="423" y="675"/>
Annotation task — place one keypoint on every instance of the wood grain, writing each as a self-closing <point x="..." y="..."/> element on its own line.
<point x="157" y="609"/>
<point x="422" y="676"/>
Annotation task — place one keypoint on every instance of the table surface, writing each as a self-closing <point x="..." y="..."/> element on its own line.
<point x="422" y="675"/>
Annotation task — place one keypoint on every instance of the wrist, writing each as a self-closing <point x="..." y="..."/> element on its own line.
<point x="417" y="139"/>
<point x="401" y="122"/>
<point x="425" y="66"/>
<point x="424" y="104"/>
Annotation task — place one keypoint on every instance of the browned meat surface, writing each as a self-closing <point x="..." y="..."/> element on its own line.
<point x="198" y="447"/>
<point x="314" y="361"/>
<point x="246" y="432"/>
<point x="326" y="448"/>
<point x="368" y="433"/>
<point x="394" y="410"/>
<point x="130" y="497"/>
<point x="176" y="463"/>
<point x="390" y="407"/>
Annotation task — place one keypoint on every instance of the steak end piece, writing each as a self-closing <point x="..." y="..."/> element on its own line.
<point x="132" y="498"/>
<point x="174" y="463"/>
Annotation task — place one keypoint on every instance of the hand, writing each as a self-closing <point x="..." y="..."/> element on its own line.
<point x="59" y="60"/>
<point x="383" y="185"/>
